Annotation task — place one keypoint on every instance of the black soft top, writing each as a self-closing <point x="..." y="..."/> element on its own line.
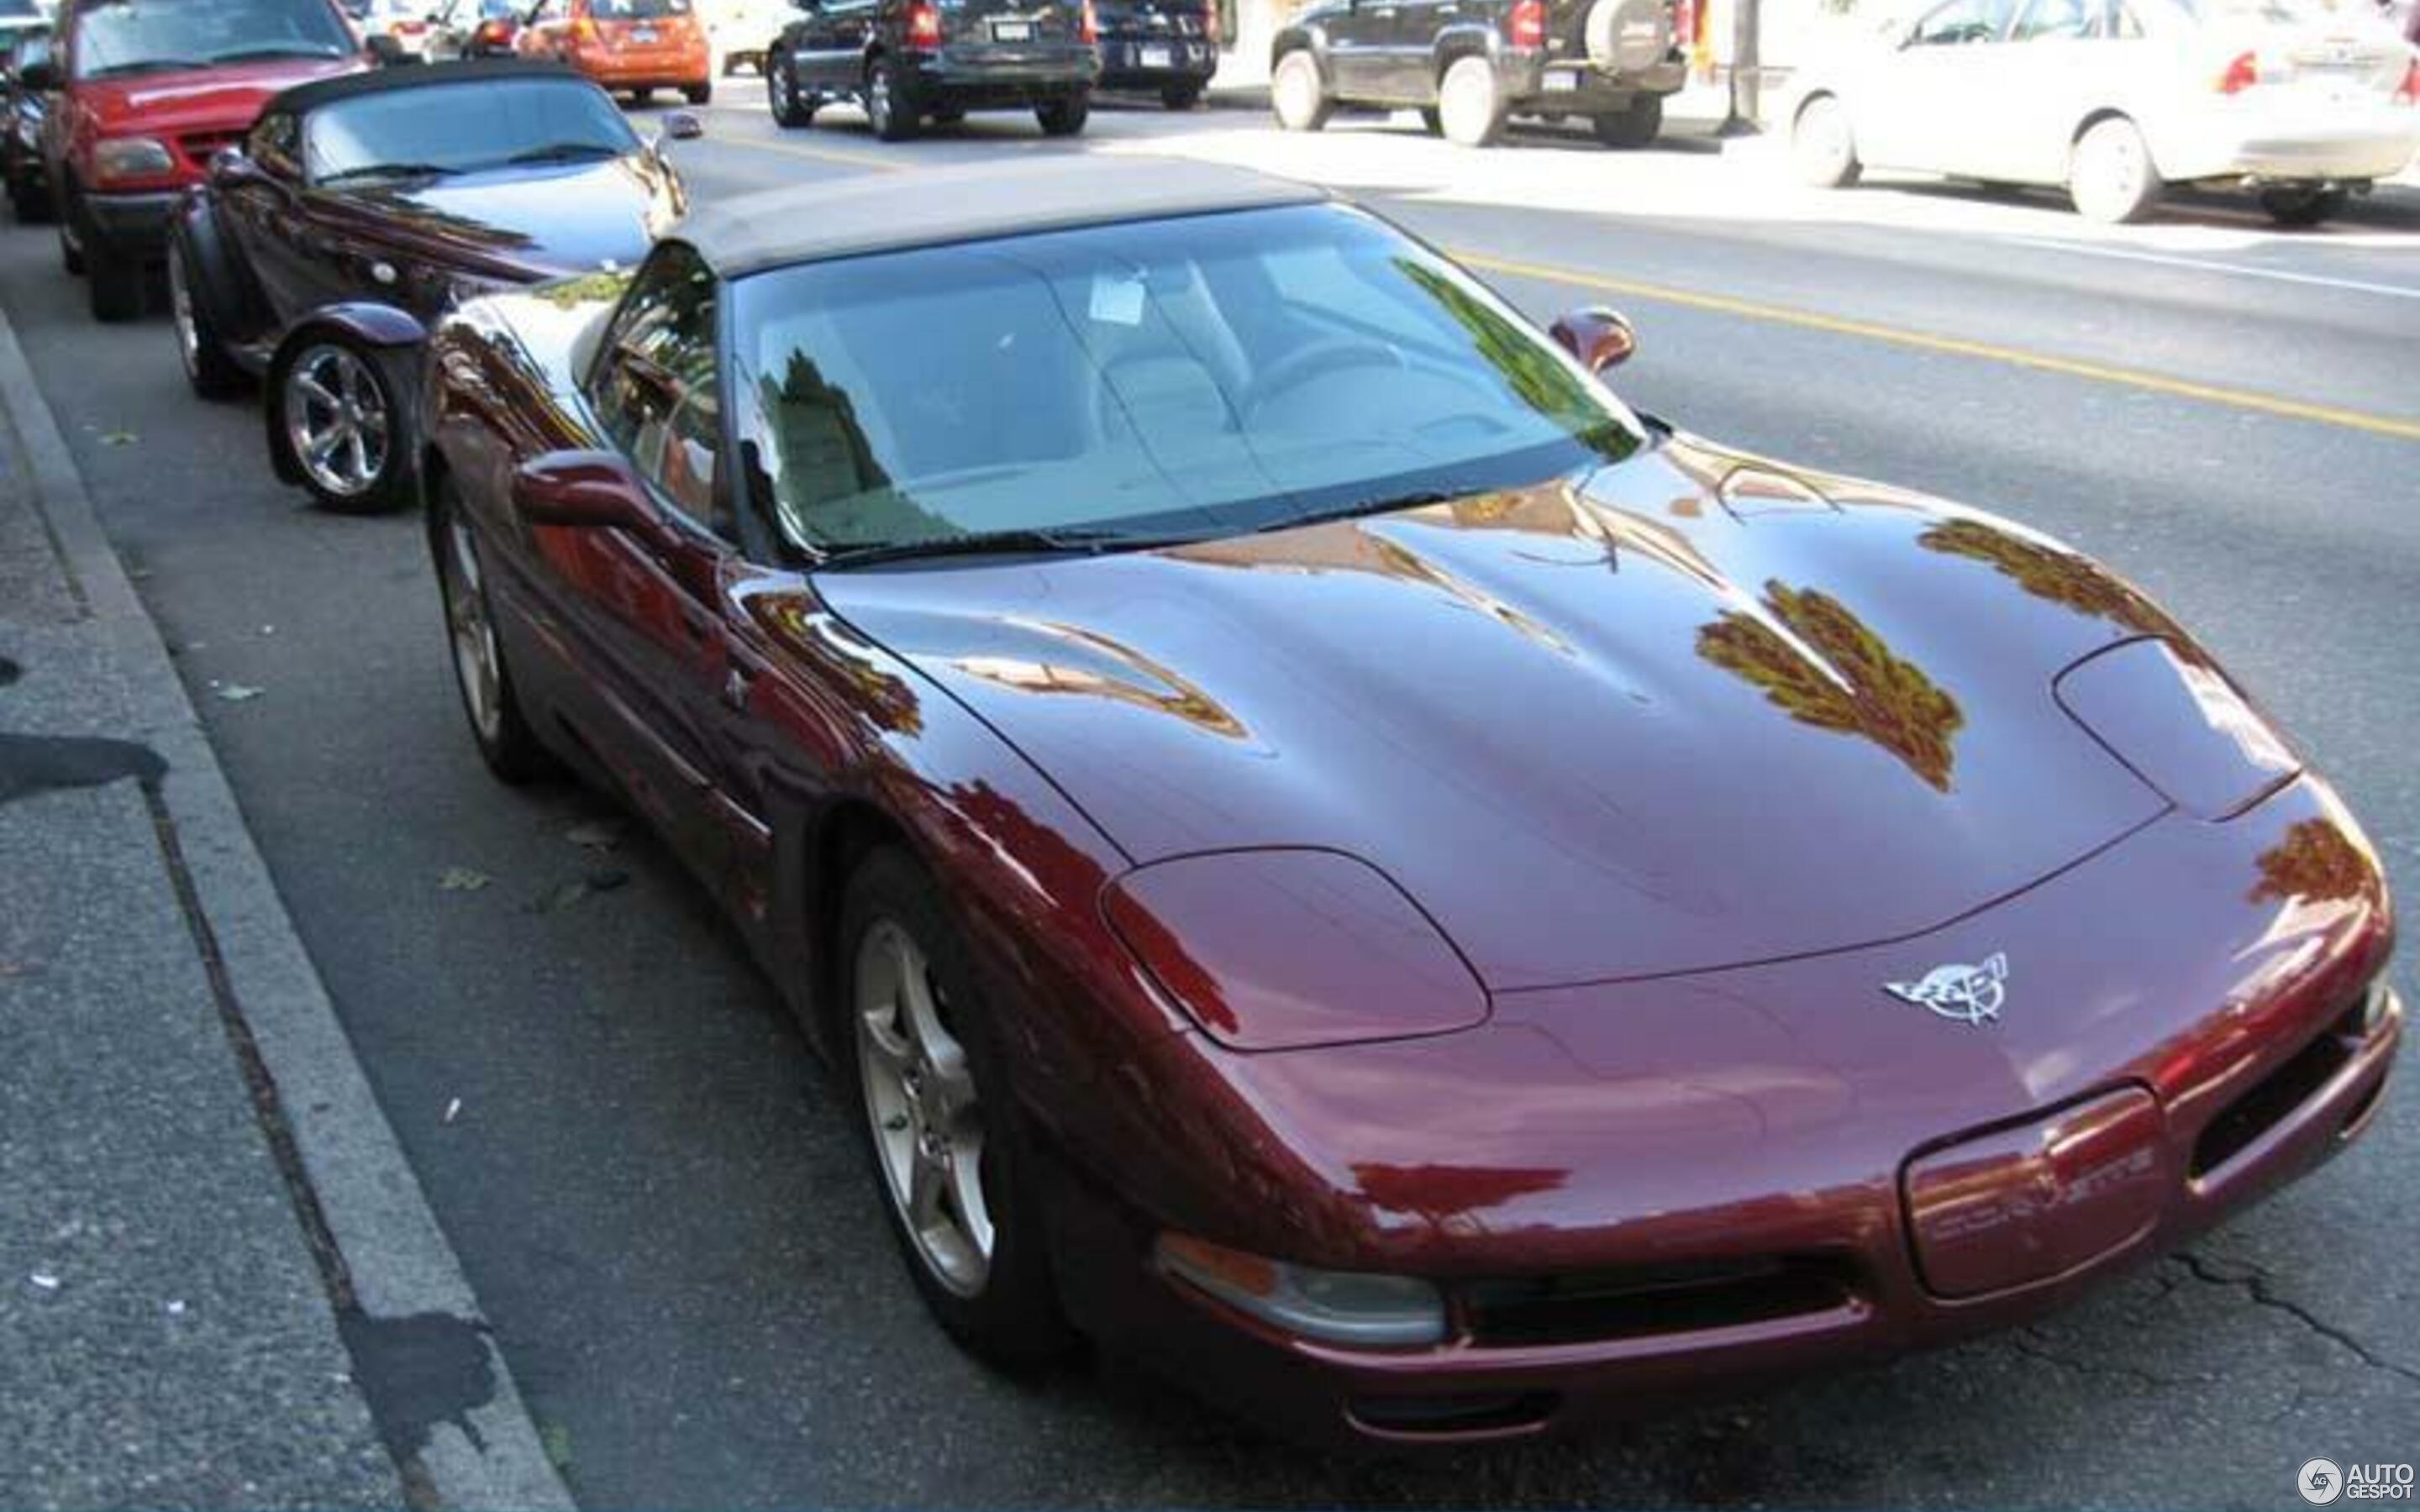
<point x="309" y="97"/>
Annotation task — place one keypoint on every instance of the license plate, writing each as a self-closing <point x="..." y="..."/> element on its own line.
<point x="644" y="37"/>
<point x="1012" y="31"/>
<point x="1158" y="57"/>
<point x="1561" y="83"/>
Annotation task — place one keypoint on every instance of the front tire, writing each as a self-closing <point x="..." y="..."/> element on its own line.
<point x="209" y="371"/>
<point x="1633" y="129"/>
<point x="1064" y="117"/>
<point x="2303" y="207"/>
<point x="2111" y="179"/>
<point x="941" y="1121"/>
<point x="888" y="109"/>
<point x="1470" y="102"/>
<point x="791" y="109"/>
<point x="489" y="701"/>
<point x="699" y="94"/>
<point x="115" y="282"/>
<point x="1296" y="96"/>
<point x="1822" y="149"/>
<point x="1181" y="96"/>
<point x="337" y="413"/>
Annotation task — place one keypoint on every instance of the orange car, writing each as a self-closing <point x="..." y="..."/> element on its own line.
<point x="635" y="47"/>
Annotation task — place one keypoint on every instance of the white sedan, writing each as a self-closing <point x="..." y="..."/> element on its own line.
<point x="2118" y="98"/>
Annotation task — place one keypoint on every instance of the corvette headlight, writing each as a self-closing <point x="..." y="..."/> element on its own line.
<point x="132" y="157"/>
<point x="2179" y="725"/>
<point x="1353" y="1307"/>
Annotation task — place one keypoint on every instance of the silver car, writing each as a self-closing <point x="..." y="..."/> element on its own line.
<point x="2118" y="98"/>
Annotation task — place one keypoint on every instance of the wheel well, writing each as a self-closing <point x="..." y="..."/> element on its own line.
<point x="1812" y="97"/>
<point x="1452" y="50"/>
<point x="2106" y="114"/>
<point x="847" y="835"/>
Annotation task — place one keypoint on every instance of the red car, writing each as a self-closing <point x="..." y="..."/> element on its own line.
<point x="1330" y="852"/>
<point x="149" y="89"/>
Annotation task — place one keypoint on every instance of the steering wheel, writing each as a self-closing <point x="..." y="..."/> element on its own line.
<point x="1299" y="366"/>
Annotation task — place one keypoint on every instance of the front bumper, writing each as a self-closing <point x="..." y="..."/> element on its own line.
<point x="131" y="224"/>
<point x="1776" y="1209"/>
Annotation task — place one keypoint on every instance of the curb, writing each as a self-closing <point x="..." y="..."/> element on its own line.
<point x="391" y="1260"/>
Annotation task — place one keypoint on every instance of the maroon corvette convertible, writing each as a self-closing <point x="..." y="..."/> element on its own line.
<point x="1332" y="853"/>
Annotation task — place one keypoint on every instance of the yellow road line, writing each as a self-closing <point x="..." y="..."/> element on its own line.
<point x="884" y="161"/>
<point x="2267" y="404"/>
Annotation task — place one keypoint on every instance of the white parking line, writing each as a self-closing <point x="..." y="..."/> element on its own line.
<point x="2350" y="285"/>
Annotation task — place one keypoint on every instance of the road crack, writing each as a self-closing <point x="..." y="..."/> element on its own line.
<point x="2030" y="1343"/>
<point x="2250" y="1280"/>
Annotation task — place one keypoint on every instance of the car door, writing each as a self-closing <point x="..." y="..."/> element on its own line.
<point x="647" y="612"/>
<point x="1927" y="103"/>
<point x="2065" y="59"/>
<point x="1360" y="41"/>
<point x="833" y="43"/>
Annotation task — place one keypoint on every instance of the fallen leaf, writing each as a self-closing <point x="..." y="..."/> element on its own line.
<point x="462" y="879"/>
<point x="453" y="1108"/>
<point x="176" y="1307"/>
<point x="596" y="834"/>
<point x="118" y="438"/>
<point x="45" y="1280"/>
<point x="239" y="693"/>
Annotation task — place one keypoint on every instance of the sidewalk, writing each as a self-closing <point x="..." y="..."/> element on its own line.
<point x="219" y="1284"/>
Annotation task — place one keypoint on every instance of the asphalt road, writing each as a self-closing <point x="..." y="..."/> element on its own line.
<point x="651" y="1188"/>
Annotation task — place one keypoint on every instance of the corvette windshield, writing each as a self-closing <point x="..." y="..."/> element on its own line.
<point x="1206" y="375"/>
<point x="464" y="128"/>
<point x="124" y="37"/>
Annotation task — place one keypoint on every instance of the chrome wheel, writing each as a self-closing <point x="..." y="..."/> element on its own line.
<point x="922" y="1101"/>
<point x="336" y="421"/>
<point x="180" y="309"/>
<point x="477" y="663"/>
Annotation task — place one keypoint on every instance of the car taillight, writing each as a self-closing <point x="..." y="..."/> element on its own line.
<point x="923" y="24"/>
<point x="494" y="31"/>
<point x="584" y="29"/>
<point x="1088" y="25"/>
<point x="1210" y="23"/>
<point x="409" y="28"/>
<point x="2408" y="93"/>
<point x="2240" y="74"/>
<point x="1684" y="24"/>
<point x="1530" y="24"/>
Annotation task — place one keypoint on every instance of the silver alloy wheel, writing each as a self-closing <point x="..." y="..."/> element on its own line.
<point x="922" y="1102"/>
<point x="1466" y="102"/>
<point x="336" y="420"/>
<point x="477" y="664"/>
<point x="1296" y="90"/>
<point x="1819" y="143"/>
<point x="180" y="309"/>
<point x="878" y="103"/>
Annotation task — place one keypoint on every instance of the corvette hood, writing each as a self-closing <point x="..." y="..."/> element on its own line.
<point x="539" y="220"/>
<point x="1686" y="713"/>
<point x="215" y="100"/>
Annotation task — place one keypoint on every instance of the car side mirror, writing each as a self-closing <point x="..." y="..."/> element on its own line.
<point x="1599" y="337"/>
<point x="680" y="126"/>
<point x="43" y="77"/>
<point x="592" y="490"/>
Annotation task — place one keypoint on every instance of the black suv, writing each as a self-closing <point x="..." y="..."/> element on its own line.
<point x="910" y="61"/>
<point x="1468" y="64"/>
<point x="1167" y="46"/>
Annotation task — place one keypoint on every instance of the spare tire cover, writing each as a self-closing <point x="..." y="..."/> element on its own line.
<point x="1628" y="35"/>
